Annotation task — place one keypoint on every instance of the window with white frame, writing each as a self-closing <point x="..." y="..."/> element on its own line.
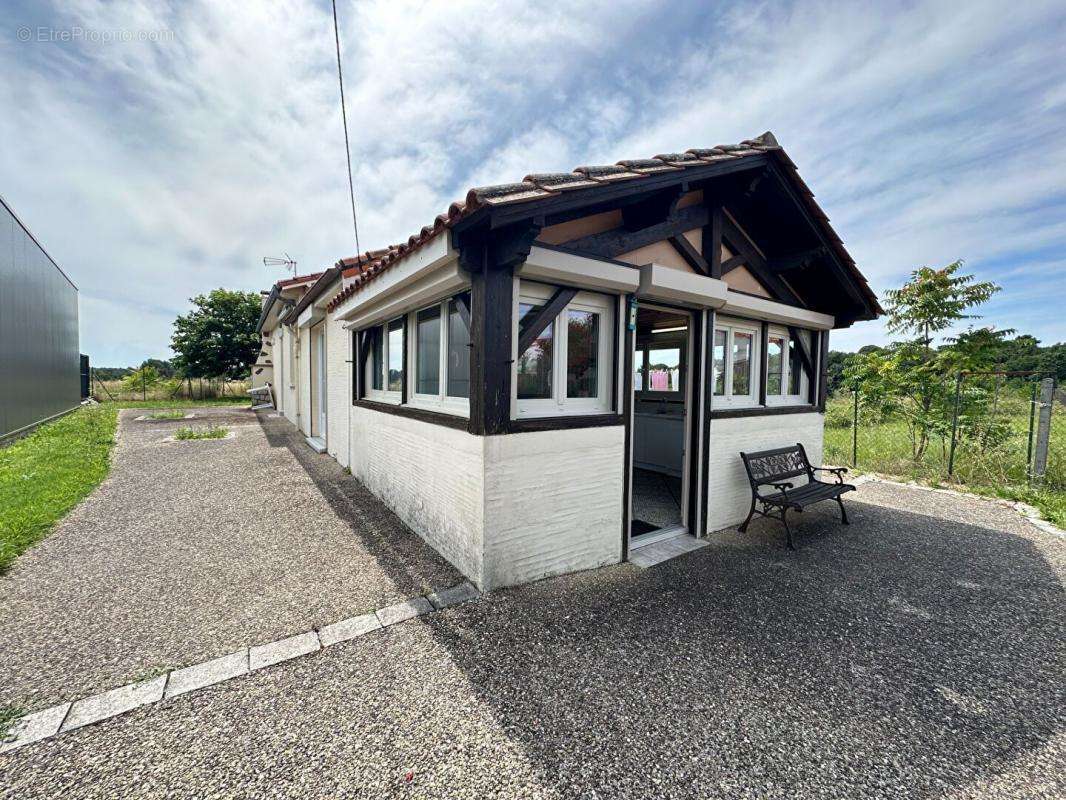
<point x="440" y="351"/>
<point x="384" y="361"/>
<point x="735" y="380"/>
<point x="786" y="379"/>
<point x="567" y="368"/>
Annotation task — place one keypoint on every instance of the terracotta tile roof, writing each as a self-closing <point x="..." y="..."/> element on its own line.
<point x="360" y="270"/>
<point x="314" y="276"/>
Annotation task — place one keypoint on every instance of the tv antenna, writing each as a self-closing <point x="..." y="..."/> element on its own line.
<point x="274" y="261"/>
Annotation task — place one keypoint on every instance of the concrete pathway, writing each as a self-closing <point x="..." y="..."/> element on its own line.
<point x="192" y="550"/>
<point x="920" y="652"/>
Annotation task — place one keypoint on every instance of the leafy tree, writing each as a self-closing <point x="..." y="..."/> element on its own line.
<point x="147" y="377"/>
<point x="217" y="339"/>
<point x="910" y="378"/>
<point x="933" y="300"/>
<point x="164" y="368"/>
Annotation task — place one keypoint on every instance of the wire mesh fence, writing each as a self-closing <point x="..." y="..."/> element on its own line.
<point x="989" y="429"/>
<point x="138" y="387"/>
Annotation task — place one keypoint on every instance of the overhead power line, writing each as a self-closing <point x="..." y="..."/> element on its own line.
<point x="344" y="116"/>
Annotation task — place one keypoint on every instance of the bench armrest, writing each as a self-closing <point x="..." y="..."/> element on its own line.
<point x="838" y="471"/>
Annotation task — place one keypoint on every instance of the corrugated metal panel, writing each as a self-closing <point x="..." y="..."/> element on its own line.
<point x="39" y="358"/>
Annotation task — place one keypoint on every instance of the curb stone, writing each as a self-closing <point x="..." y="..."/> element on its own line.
<point x="48" y="722"/>
<point x="1028" y="512"/>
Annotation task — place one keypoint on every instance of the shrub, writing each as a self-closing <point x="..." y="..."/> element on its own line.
<point x="210" y="432"/>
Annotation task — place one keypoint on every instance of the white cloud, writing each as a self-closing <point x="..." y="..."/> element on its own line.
<point x="153" y="172"/>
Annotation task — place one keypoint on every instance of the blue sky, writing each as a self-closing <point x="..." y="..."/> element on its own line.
<point x="164" y="149"/>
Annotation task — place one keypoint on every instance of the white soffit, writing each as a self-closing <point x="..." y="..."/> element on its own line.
<point x="408" y="271"/>
<point x="441" y="283"/>
<point x="309" y="316"/>
<point x="553" y="266"/>
<point x="687" y="288"/>
<point x="745" y="305"/>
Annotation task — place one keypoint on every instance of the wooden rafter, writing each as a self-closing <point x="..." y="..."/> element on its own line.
<point x="538" y="319"/>
<point x="614" y="242"/>
<point x="462" y="303"/>
<point x="805" y="355"/>
<point x="691" y="255"/>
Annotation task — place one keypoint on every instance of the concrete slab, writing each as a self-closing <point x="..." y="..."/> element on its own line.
<point x="265" y="655"/>
<point x="401" y="612"/>
<point x="665" y="550"/>
<point x="208" y="673"/>
<point x="35" y="727"/>
<point x="454" y="595"/>
<point x="349" y="629"/>
<point x="117" y="701"/>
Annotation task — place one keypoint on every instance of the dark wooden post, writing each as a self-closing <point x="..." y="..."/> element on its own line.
<point x="491" y="259"/>
<point x="823" y="369"/>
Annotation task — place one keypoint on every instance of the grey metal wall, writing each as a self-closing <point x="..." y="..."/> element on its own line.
<point x="39" y="358"/>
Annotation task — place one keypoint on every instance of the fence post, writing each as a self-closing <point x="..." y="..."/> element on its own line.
<point x="1029" y="448"/>
<point x="1043" y="430"/>
<point x="954" y="424"/>
<point x="144" y="389"/>
<point x="855" y="431"/>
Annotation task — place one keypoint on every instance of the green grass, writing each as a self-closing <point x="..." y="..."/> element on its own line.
<point x="210" y="432"/>
<point x="167" y="415"/>
<point x="177" y="403"/>
<point x="8" y="715"/>
<point x="46" y="474"/>
<point x="884" y="447"/>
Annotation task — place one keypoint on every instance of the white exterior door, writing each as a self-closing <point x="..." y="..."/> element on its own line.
<point x="322" y="403"/>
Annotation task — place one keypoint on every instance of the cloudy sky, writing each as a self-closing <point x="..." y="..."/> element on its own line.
<point x="159" y="150"/>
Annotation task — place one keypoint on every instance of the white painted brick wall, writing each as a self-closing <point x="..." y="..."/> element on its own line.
<point x="303" y="372"/>
<point x="730" y="493"/>
<point x="339" y="389"/>
<point x="553" y="503"/>
<point x="432" y="477"/>
<point x="289" y="399"/>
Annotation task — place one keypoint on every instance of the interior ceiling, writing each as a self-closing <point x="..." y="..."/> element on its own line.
<point x="650" y="319"/>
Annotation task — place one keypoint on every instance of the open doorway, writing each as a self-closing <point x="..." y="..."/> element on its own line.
<point x="660" y="424"/>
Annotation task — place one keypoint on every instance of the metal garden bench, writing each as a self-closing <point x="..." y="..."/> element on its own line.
<point x="774" y="468"/>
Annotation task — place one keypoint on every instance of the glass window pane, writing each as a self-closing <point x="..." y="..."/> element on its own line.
<point x="664" y="369"/>
<point x="458" y="353"/>
<point x="638" y="370"/>
<point x="775" y="362"/>
<point x="535" y="365"/>
<point x="396" y="355"/>
<point x="582" y="354"/>
<point x="427" y="350"/>
<point x="377" y="359"/>
<point x="741" y="363"/>
<point x="719" y="362"/>
<point x="795" y="366"/>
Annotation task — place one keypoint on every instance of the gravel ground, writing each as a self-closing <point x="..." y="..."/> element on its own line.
<point x="918" y="653"/>
<point x="190" y="550"/>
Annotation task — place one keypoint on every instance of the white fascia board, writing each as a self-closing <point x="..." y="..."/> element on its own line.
<point x="569" y="269"/>
<point x="745" y="305"/>
<point x="687" y="288"/>
<point x="442" y="282"/>
<point x="402" y="274"/>
<point x="309" y="316"/>
<point x="330" y="292"/>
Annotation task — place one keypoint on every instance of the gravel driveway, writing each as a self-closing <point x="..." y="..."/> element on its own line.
<point x="919" y="653"/>
<point x="192" y="549"/>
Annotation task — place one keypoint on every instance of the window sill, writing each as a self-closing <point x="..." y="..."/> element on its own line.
<point x="420" y="414"/>
<point x="565" y="422"/>
<point x="761" y="411"/>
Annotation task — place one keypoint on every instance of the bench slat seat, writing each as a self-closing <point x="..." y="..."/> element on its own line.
<point x="808" y="494"/>
<point x="774" y="492"/>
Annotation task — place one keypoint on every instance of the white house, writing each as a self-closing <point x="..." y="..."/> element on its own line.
<point x="563" y="369"/>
